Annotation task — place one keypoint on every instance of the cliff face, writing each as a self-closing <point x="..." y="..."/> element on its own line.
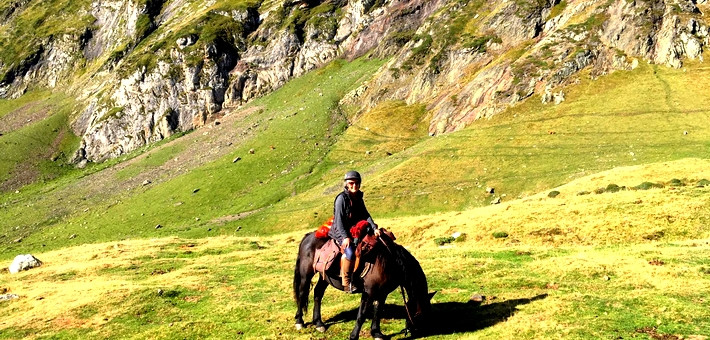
<point x="518" y="49"/>
<point x="146" y="69"/>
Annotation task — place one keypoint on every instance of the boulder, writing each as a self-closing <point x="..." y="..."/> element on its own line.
<point x="5" y="297"/>
<point x="24" y="262"/>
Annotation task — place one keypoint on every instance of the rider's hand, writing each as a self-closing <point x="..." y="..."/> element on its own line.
<point x="377" y="232"/>
<point x="346" y="243"/>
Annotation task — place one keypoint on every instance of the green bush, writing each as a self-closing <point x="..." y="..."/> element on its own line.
<point x="648" y="185"/>
<point x="703" y="183"/>
<point x="612" y="188"/>
<point x="655" y="236"/>
<point x="676" y="183"/>
<point x="553" y="194"/>
<point x="582" y="193"/>
<point x="443" y="240"/>
<point x="478" y="44"/>
<point x="500" y="234"/>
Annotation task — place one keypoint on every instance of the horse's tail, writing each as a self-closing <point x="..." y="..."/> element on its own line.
<point x="297" y="281"/>
<point x="299" y="284"/>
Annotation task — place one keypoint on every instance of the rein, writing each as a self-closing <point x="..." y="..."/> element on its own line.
<point x="401" y="289"/>
<point x="406" y="308"/>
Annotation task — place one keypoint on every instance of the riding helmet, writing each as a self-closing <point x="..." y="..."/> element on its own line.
<point x="352" y="175"/>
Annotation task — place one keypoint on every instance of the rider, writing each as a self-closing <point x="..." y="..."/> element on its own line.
<point x="349" y="209"/>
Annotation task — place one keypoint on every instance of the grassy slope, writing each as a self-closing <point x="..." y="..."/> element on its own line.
<point x="289" y="136"/>
<point x="535" y="287"/>
<point x="565" y="251"/>
<point x="36" y="130"/>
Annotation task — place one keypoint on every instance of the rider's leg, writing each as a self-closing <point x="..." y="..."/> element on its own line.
<point x="346" y="269"/>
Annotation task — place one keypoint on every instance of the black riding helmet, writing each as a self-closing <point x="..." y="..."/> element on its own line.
<point x="352" y="175"/>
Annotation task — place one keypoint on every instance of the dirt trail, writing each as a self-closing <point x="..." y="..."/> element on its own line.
<point x="22" y="117"/>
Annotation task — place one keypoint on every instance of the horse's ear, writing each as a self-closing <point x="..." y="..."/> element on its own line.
<point x="431" y="295"/>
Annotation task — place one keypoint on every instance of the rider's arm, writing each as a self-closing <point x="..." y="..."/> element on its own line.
<point x="338" y="227"/>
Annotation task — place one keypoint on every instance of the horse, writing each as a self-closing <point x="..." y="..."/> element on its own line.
<point x="392" y="266"/>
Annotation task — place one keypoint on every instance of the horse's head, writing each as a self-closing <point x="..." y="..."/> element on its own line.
<point x="419" y="310"/>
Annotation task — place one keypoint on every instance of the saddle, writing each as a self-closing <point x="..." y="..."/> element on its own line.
<point x="325" y="257"/>
<point x="365" y="253"/>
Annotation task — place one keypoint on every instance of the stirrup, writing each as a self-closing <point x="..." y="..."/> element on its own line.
<point x="352" y="289"/>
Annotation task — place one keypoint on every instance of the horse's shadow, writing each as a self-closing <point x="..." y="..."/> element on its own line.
<point x="450" y="317"/>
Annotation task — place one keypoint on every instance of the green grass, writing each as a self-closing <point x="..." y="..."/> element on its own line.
<point x="40" y="149"/>
<point x="303" y="144"/>
<point x="292" y="184"/>
<point x="292" y="122"/>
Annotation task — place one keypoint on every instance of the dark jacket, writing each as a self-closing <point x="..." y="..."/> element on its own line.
<point x="347" y="211"/>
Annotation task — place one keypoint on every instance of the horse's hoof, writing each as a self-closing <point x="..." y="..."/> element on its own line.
<point x="299" y="326"/>
<point x="321" y="329"/>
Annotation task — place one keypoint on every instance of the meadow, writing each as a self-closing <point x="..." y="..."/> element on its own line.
<point x="601" y="230"/>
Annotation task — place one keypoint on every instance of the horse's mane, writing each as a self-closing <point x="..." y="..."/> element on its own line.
<point x="413" y="278"/>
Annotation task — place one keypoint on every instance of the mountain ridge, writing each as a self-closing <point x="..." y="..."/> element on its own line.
<point x="153" y="68"/>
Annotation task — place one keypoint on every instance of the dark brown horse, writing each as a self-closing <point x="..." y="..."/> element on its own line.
<point x="393" y="266"/>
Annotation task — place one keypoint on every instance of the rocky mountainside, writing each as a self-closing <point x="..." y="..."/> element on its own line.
<point x="146" y="69"/>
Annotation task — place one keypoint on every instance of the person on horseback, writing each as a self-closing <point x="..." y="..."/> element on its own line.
<point x="349" y="209"/>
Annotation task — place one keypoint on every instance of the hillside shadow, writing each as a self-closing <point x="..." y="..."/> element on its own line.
<point x="448" y="317"/>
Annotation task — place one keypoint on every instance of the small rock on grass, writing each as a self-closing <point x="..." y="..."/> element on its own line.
<point x="477" y="298"/>
<point x="24" y="262"/>
<point x="6" y="297"/>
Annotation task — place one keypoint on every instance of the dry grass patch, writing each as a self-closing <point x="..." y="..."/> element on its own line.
<point x="671" y="213"/>
<point x="81" y="276"/>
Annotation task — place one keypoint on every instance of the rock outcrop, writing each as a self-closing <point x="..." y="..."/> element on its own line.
<point x="534" y="47"/>
<point x="157" y="67"/>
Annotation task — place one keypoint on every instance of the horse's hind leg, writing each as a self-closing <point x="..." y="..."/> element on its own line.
<point x="303" y="274"/>
<point x="304" y="287"/>
<point x="377" y="310"/>
<point x="318" y="293"/>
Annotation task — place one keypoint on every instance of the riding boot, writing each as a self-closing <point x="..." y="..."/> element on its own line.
<point x="345" y="272"/>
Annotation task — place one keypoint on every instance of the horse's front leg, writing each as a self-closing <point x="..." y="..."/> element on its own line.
<point x="377" y="307"/>
<point x="318" y="293"/>
<point x="365" y="302"/>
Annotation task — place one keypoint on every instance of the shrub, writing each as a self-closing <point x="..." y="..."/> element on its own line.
<point x="443" y="240"/>
<point x="478" y="44"/>
<point x="647" y="185"/>
<point x="582" y="193"/>
<point x="703" y="183"/>
<point x="612" y="188"/>
<point x="500" y="234"/>
<point x="654" y="236"/>
<point x="676" y="183"/>
<point x="599" y="191"/>
<point x="401" y="38"/>
<point x="553" y="194"/>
